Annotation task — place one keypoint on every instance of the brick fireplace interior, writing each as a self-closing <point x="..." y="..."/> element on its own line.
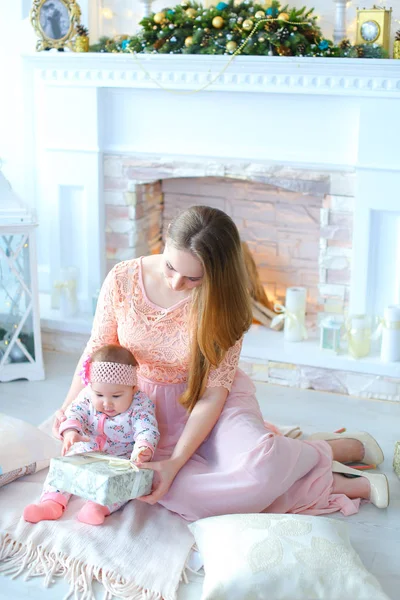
<point x="298" y="232"/>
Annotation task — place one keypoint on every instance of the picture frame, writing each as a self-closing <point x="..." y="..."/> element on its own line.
<point x="55" y="23"/>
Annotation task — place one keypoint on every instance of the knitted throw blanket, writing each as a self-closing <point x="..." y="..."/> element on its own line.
<point x="139" y="553"/>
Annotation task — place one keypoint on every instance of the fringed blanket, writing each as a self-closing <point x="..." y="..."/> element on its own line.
<point x="139" y="553"/>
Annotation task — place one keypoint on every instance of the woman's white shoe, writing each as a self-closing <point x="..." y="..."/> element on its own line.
<point x="373" y="452"/>
<point x="378" y="482"/>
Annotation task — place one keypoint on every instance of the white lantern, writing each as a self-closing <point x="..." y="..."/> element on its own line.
<point x="20" y="341"/>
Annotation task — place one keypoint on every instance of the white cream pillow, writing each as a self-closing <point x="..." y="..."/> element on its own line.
<point x="24" y="449"/>
<point x="281" y="557"/>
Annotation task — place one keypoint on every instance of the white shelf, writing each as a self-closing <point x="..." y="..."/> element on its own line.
<point x="262" y="344"/>
<point x="53" y="320"/>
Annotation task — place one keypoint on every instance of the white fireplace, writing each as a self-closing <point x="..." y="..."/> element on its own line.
<point x="110" y="134"/>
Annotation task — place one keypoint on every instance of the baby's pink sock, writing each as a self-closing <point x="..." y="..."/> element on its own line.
<point x="93" y="514"/>
<point x="48" y="510"/>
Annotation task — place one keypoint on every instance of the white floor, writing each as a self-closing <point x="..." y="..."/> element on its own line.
<point x="375" y="533"/>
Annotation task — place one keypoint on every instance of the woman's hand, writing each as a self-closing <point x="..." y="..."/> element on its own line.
<point x="165" y="472"/>
<point x="58" y="419"/>
<point x="71" y="437"/>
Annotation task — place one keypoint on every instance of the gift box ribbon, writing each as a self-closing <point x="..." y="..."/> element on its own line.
<point x="119" y="464"/>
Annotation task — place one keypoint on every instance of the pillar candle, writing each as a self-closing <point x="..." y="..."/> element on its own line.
<point x="390" y="349"/>
<point x="296" y="298"/>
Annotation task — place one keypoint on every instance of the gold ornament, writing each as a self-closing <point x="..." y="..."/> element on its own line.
<point x="283" y="17"/>
<point x="191" y="13"/>
<point x="259" y="15"/>
<point x="247" y="24"/>
<point x="231" y="46"/>
<point x="159" y="18"/>
<point x="188" y="41"/>
<point x="217" y="22"/>
<point x="82" y="43"/>
<point x="283" y="51"/>
<point x="396" y="49"/>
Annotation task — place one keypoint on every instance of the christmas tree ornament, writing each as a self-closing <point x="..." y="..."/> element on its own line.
<point x="191" y="13"/>
<point x="159" y="18"/>
<point x="231" y="46"/>
<point x="82" y="39"/>
<point x="240" y="20"/>
<point x="259" y="15"/>
<point x="155" y="27"/>
<point x="221" y="6"/>
<point x="272" y="12"/>
<point x="188" y="41"/>
<point x="17" y="355"/>
<point x="217" y="22"/>
<point x="247" y="25"/>
<point x="283" y="16"/>
<point x="396" y="46"/>
<point x="261" y="39"/>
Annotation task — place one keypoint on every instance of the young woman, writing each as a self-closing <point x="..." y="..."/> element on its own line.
<point x="183" y="315"/>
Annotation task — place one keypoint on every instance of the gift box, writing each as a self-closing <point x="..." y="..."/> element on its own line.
<point x="99" y="477"/>
<point x="396" y="459"/>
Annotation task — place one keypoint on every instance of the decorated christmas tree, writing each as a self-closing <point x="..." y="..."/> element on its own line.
<point x="248" y="28"/>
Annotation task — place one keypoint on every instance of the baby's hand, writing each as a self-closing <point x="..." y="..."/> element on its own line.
<point x="144" y="455"/>
<point x="70" y="437"/>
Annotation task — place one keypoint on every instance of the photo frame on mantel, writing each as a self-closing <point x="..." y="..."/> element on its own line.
<point x="55" y="23"/>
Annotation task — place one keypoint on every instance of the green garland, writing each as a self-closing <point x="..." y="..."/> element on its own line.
<point x="247" y="28"/>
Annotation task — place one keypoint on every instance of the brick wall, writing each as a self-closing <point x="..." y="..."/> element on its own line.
<point x="298" y="223"/>
<point x="133" y="213"/>
<point x="282" y="228"/>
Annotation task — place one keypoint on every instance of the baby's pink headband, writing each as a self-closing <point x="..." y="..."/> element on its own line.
<point x="107" y="372"/>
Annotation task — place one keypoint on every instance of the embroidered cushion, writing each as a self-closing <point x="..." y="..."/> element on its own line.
<point x="281" y="557"/>
<point x="24" y="449"/>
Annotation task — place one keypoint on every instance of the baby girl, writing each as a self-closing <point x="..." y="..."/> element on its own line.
<point x="110" y="415"/>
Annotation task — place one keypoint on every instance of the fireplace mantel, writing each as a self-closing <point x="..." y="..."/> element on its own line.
<point x="262" y="115"/>
<point x="321" y="76"/>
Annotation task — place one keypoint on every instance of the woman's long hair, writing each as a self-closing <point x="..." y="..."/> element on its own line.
<point x="221" y="310"/>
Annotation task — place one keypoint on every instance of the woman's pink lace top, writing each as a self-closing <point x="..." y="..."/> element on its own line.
<point x="158" y="337"/>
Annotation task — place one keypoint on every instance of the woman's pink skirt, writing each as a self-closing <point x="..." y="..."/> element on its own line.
<point x="242" y="467"/>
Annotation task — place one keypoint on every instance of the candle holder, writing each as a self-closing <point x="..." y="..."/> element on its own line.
<point x="339" y="32"/>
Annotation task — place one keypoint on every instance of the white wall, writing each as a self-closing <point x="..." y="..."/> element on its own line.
<point x="11" y="137"/>
<point x="17" y="37"/>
